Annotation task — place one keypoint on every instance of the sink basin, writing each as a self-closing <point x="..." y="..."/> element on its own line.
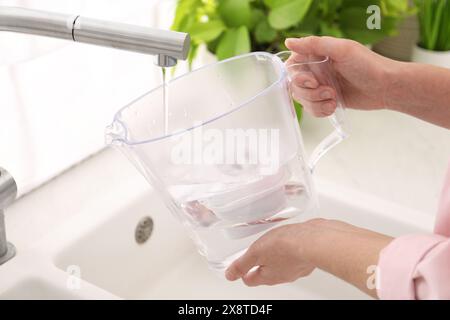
<point x="43" y="281"/>
<point x="35" y="288"/>
<point x="109" y="256"/>
<point x="168" y="266"/>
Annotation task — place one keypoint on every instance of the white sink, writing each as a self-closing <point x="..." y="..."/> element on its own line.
<point x="35" y="288"/>
<point x="167" y="266"/>
<point x="31" y="276"/>
<point x="109" y="256"/>
<point x="99" y="241"/>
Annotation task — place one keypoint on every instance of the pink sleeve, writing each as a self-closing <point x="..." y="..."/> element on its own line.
<point x="415" y="267"/>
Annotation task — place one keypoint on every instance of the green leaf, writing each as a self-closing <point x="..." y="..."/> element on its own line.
<point x="329" y="7"/>
<point x="264" y="33"/>
<point x="257" y="16"/>
<point x="310" y="24"/>
<point x="395" y="8"/>
<point x="192" y="54"/>
<point x="276" y="3"/>
<point x="234" y="42"/>
<point x="235" y="13"/>
<point x="359" y="3"/>
<point x="330" y="30"/>
<point x="183" y="13"/>
<point x="212" y="45"/>
<point x="206" y="31"/>
<point x="434" y="20"/>
<point x="299" y="111"/>
<point x="288" y="14"/>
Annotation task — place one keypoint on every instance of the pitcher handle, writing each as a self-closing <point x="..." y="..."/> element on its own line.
<point x="337" y="119"/>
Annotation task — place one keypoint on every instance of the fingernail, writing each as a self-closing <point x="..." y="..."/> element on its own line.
<point x="308" y="84"/>
<point x="328" y="107"/>
<point x="325" y="95"/>
<point x="230" y="276"/>
<point x="288" y="41"/>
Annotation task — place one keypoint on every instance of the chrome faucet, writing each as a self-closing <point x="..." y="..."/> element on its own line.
<point x="8" y="193"/>
<point x="167" y="46"/>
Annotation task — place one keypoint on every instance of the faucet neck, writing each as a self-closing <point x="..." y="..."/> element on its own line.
<point x="169" y="46"/>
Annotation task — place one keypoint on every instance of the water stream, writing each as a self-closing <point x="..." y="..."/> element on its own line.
<point x="165" y="101"/>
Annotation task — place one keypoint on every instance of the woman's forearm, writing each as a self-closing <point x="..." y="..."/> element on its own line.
<point x="347" y="252"/>
<point x="422" y="91"/>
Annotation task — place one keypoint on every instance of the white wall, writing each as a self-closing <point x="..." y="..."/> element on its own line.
<point x="56" y="97"/>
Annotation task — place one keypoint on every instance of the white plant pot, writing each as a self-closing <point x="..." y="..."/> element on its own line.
<point x="437" y="58"/>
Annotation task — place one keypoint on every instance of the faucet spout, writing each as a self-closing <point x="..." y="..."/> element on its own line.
<point x="168" y="46"/>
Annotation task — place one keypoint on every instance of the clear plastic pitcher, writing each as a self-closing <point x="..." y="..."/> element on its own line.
<point x="230" y="165"/>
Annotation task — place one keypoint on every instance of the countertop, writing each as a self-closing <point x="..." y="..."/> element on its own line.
<point x="388" y="154"/>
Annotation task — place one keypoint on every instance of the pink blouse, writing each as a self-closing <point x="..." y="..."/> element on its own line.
<point x="418" y="266"/>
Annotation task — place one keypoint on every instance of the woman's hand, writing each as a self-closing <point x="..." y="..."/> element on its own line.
<point x="290" y="252"/>
<point x="369" y="82"/>
<point x="361" y="74"/>
<point x="278" y="256"/>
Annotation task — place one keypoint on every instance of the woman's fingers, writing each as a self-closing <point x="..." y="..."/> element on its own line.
<point x="269" y="276"/>
<point x="336" y="49"/>
<point x="322" y="93"/>
<point x="306" y="80"/>
<point x="242" y="265"/>
<point x="320" y="101"/>
<point x="257" y="277"/>
<point x="319" y="109"/>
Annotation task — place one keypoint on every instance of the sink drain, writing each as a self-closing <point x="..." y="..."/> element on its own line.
<point x="143" y="230"/>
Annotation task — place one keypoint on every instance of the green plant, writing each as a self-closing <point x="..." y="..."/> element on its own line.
<point x="434" y="20"/>
<point x="232" y="27"/>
